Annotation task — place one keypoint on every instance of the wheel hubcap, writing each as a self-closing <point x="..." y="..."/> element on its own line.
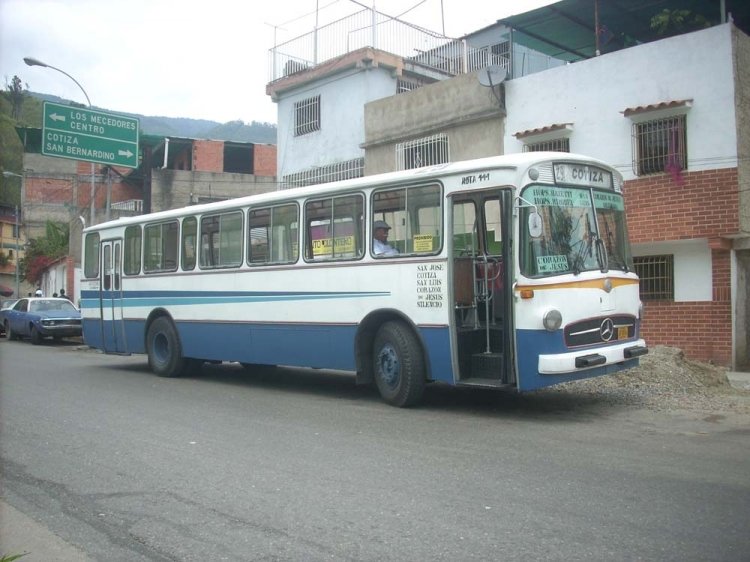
<point x="390" y="368"/>
<point x="161" y="348"/>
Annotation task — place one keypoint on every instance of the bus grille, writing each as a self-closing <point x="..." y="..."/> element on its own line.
<point x="605" y="329"/>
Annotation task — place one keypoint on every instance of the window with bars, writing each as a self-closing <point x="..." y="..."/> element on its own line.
<point x="656" y="275"/>
<point x="555" y="145"/>
<point x="404" y="85"/>
<point x="307" y="116"/>
<point x="332" y="172"/>
<point x="660" y="145"/>
<point x="426" y="151"/>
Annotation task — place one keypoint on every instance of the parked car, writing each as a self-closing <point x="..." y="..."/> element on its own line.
<point x="7" y="303"/>
<point x="39" y="317"/>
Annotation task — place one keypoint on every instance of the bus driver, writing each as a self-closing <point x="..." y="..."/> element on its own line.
<point x="380" y="246"/>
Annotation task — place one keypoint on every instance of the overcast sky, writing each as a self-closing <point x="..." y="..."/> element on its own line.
<point x="185" y="58"/>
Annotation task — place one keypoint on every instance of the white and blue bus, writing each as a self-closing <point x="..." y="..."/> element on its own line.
<point x="511" y="272"/>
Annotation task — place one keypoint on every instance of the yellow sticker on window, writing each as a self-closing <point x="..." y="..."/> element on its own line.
<point x="423" y="243"/>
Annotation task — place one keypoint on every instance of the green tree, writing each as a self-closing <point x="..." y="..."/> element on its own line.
<point x="16" y="95"/>
<point x="673" y="22"/>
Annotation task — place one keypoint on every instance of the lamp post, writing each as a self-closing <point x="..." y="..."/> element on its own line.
<point x="18" y="227"/>
<point x="35" y="62"/>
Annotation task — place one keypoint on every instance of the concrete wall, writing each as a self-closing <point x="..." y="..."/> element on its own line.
<point x="461" y="108"/>
<point x="592" y="95"/>
<point x="342" y="97"/>
<point x="171" y="189"/>
<point x="742" y="101"/>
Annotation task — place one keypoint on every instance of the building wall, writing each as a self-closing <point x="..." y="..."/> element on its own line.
<point x="208" y="156"/>
<point x="265" y="159"/>
<point x="469" y="114"/>
<point x="342" y="97"/>
<point x="171" y="189"/>
<point x="741" y="60"/>
<point x="694" y="215"/>
<point x="59" y="190"/>
<point x="593" y="94"/>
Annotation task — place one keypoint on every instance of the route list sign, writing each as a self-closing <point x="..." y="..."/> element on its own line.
<point x="90" y="135"/>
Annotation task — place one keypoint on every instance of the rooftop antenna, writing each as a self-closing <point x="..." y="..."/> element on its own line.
<point x="491" y="76"/>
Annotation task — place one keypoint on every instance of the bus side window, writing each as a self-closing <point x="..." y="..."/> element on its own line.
<point x="334" y="228"/>
<point x="272" y="234"/>
<point x="160" y="247"/>
<point x="221" y="240"/>
<point x="132" y="250"/>
<point x="189" y="235"/>
<point x="91" y="256"/>
<point x="414" y="215"/>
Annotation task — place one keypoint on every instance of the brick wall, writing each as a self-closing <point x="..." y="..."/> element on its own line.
<point x="697" y="205"/>
<point x="265" y="159"/>
<point x="703" y="330"/>
<point x="208" y="156"/>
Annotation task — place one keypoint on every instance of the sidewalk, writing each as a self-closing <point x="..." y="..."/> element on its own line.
<point x="740" y="381"/>
<point x="20" y="534"/>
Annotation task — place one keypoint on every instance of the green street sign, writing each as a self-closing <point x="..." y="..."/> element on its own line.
<point x="90" y="135"/>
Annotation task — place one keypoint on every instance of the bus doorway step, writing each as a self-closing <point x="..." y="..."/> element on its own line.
<point x="487" y="365"/>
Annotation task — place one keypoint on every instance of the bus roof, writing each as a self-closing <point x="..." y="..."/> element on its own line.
<point x="506" y="161"/>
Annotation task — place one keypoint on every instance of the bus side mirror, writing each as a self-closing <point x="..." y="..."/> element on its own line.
<point x="535" y="224"/>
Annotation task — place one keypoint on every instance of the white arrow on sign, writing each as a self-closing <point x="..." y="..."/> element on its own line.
<point x="56" y="117"/>
<point x="124" y="153"/>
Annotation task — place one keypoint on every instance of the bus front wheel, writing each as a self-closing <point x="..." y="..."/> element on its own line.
<point x="164" y="348"/>
<point x="398" y="365"/>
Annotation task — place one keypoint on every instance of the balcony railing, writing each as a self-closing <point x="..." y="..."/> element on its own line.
<point x="370" y="28"/>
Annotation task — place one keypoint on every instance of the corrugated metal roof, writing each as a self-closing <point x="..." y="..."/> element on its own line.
<point x="567" y="29"/>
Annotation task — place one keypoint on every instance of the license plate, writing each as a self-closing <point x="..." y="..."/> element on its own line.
<point x="622" y="333"/>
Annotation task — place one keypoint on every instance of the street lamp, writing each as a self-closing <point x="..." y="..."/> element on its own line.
<point x="35" y="62"/>
<point x="8" y="174"/>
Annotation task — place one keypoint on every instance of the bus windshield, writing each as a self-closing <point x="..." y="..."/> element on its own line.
<point x="573" y="235"/>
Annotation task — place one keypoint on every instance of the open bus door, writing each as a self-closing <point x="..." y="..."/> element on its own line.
<point x="110" y="297"/>
<point x="482" y="277"/>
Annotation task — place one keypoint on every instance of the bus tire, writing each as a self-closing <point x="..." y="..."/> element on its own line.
<point x="398" y="365"/>
<point x="164" y="349"/>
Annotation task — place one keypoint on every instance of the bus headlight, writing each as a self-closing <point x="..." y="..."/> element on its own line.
<point x="552" y="320"/>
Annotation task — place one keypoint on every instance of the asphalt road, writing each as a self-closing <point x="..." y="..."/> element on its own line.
<point x="117" y="464"/>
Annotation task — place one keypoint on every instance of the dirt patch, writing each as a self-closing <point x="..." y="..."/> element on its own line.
<point x="666" y="380"/>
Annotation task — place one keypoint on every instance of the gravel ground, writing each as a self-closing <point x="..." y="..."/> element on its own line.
<point x="666" y="380"/>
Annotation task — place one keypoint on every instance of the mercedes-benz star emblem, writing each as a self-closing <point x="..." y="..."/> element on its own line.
<point x="607" y="329"/>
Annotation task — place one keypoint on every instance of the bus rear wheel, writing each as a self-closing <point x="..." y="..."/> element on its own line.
<point x="398" y="365"/>
<point x="164" y="348"/>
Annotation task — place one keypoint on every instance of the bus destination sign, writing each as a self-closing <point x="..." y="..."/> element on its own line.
<point x="90" y="135"/>
<point x="582" y="174"/>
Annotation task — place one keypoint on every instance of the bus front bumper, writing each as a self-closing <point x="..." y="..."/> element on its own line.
<point x="562" y="363"/>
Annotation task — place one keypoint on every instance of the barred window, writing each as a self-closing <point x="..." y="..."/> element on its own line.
<point x="554" y="145"/>
<point x="656" y="274"/>
<point x="307" y="116"/>
<point x="426" y="151"/>
<point x="332" y="172"/>
<point x="660" y="145"/>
